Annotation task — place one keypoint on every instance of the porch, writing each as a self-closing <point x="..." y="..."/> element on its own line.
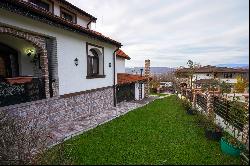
<point x="26" y="74"/>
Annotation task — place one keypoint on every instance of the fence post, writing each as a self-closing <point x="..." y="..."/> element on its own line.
<point x="210" y="104"/>
<point x="245" y="134"/>
<point x="194" y="99"/>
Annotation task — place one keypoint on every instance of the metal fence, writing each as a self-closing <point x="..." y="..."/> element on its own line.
<point x="236" y="118"/>
<point x="21" y="93"/>
<point x="125" y="92"/>
<point x="202" y="102"/>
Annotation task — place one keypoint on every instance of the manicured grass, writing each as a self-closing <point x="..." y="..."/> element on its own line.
<point x="159" y="133"/>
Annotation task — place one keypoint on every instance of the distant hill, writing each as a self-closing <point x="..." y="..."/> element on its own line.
<point x="245" y="66"/>
<point x="154" y="70"/>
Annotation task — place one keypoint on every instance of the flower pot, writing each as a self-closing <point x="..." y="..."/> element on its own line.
<point x="190" y="111"/>
<point x="213" y="134"/>
<point x="228" y="148"/>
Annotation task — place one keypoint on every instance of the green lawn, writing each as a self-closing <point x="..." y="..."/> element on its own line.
<point x="159" y="133"/>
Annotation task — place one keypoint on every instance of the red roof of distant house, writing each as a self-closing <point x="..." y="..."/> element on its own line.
<point x="124" y="78"/>
<point x="212" y="69"/>
<point x="121" y="54"/>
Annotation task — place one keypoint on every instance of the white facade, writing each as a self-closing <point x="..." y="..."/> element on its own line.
<point x="120" y="65"/>
<point x="137" y="91"/>
<point x="199" y="76"/>
<point x="70" y="45"/>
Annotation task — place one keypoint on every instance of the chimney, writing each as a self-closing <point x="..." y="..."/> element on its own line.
<point x="147" y="75"/>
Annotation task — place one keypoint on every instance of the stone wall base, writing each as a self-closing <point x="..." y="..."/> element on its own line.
<point x="52" y="112"/>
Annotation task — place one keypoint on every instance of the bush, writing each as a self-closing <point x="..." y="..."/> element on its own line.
<point x="186" y="104"/>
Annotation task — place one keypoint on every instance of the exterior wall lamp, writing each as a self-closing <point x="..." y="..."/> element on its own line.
<point x="29" y="52"/>
<point x="76" y="61"/>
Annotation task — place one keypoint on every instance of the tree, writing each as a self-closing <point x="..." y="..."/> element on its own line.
<point x="240" y="86"/>
<point x="192" y="66"/>
<point x="225" y="87"/>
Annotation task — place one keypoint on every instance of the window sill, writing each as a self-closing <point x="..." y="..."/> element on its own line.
<point x="96" y="76"/>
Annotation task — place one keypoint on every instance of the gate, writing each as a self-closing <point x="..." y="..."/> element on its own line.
<point x="125" y="92"/>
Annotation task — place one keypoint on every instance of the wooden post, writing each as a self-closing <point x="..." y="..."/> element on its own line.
<point x="210" y="106"/>
<point x="194" y="99"/>
<point x="245" y="133"/>
<point x="147" y="75"/>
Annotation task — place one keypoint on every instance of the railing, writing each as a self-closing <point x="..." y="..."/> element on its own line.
<point x="202" y="102"/>
<point x="11" y="94"/>
<point x="125" y="92"/>
<point x="222" y="108"/>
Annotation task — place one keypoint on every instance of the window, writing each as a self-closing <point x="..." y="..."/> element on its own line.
<point x="68" y="15"/>
<point x="228" y="75"/>
<point x="93" y="63"/>
<point x="42" y="4"/>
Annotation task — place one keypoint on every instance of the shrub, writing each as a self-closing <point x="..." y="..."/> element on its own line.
<point x="186" y="104"/>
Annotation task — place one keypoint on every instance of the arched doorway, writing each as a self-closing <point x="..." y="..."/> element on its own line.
<point x="11" y="62"/>
<point x="8" y="61"/>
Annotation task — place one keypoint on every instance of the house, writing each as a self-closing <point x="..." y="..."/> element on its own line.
<point x="53" y="66"/>
<point x="207" y="74"/>
<point x="130" y="86"/>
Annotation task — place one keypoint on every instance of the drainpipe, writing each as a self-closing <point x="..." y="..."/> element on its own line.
<point x="114" y="86"/>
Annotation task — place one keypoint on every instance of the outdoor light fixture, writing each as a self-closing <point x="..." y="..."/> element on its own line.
<point x="76" y="61"/>
<point x="29" y="52"/>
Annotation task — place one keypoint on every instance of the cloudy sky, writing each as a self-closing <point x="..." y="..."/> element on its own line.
<point x="170" y="32"/>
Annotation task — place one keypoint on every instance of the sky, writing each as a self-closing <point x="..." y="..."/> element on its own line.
<point x="170" y="32"/>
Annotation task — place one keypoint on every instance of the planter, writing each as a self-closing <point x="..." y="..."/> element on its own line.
<point x="213" y="134"/>
<point x="19" y="80"/>
<point x="228" y="148"/>
<point x="191" y="111"/>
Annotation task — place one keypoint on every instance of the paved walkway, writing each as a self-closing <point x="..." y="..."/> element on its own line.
<point x="81" y="125"/>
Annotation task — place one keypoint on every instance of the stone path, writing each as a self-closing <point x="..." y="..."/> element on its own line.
<point x="68" y="130"/>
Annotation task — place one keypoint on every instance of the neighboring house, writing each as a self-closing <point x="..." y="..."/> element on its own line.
<point x="166" y="84"/>
<point x="53" y="66"/>
<point x="130" y="86"/>
<point x="206" y="75"/>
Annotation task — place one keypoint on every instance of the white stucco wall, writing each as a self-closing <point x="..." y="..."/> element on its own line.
<point x="137" y="94"/>
<point x="120" y="65"/>
<point x="69" y="46"/>
<point x="200" y="76"/>
<point x="56" y="9"/>
<point x="83" y="21"/>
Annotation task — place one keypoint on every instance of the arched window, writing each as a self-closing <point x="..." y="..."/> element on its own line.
<point x="93" y="63"/>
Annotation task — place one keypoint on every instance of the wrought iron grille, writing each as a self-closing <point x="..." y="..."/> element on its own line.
<point x="21" y="93"/>
<point x="125" y="92"/>
<point x="202" y="102"/>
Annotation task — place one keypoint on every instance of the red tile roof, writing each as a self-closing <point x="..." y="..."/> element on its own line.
<point x="70" y="5"/>
<point x="213" y="69"/>
<point x="124" y="78"/>
<point x="56" y="19"/>
<point x="121" y="54"/>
